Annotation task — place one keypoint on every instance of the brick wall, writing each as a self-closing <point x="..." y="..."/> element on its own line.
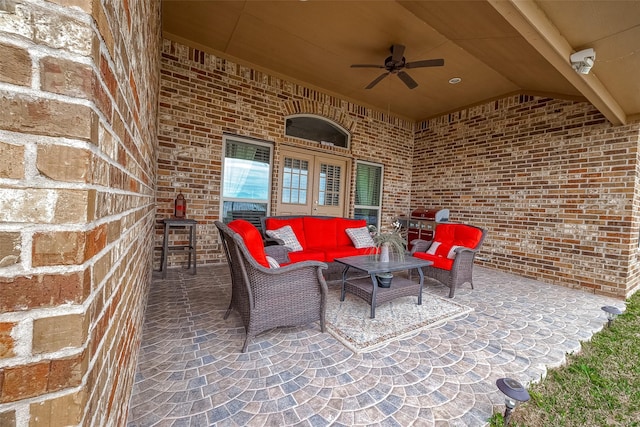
<point x="553" y="182"/>
<point x="78" y="95"/>
<point x="203" y="96"/>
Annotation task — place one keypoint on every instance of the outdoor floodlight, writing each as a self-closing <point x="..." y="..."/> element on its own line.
<point x="583" y="61"/>
<point x="612" y="313"/>
<point x="514" y="393"/>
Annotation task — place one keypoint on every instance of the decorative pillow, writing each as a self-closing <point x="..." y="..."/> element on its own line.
<point x="433" y="248"/>
<point x="272" y="262"/>
<point x="452" y="251"/>
<point x="287" y="235"/>
<point x="360" y="237"/>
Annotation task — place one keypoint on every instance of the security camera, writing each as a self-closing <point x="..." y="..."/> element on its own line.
<point x="583" y="60"/>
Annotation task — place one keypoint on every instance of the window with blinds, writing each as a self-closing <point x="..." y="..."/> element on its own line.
<point x="368" y="197"/>
<point x="330" y="182"/>
<point x="246" y="179"/>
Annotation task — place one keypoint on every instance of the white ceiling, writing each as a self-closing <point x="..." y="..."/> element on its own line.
<point x="497" y="47"/>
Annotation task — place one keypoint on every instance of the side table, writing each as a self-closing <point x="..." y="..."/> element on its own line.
<point x="190" y="224"/>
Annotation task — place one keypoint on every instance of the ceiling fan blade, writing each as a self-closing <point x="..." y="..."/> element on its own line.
<point x="397" y="53"/>
<point x="406" y="78"/>
<point x="425" y="63"/>
<point x="366" y="66"/>
<point x="377" y="80"/>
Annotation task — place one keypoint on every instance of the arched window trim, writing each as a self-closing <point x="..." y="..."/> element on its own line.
<point x="324" y="120"/>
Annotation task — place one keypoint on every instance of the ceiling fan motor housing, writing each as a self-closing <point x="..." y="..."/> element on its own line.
<point x="392" y="65"/>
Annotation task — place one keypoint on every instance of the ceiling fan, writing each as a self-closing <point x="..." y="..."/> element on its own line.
<point x="395" y="64"/>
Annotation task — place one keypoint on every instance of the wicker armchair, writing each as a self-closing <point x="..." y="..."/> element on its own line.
<point x="453" y="256"/>
<point x="265" y="297"/>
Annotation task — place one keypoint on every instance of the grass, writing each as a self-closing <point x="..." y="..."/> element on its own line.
<point x="600" y="386"/>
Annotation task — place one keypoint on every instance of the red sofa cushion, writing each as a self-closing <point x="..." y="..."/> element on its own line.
<point x="252" y="239"/>
<point x="322" y="239"/>
<point x="319" y="232"/>
<point x="342" y="238"/>
<point x="306" y="255"/>
<point x="345" y="251"/>
<point x="295" y="223"/>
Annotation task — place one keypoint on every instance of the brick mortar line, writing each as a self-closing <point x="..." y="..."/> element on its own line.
<point x="31" y="359"/>
<point x="24" y="404"/>
<point x="61" y="185"/>
<point x="77" y="268"/>
<point x="35" y="92"/>
<point x="82" y="309"/>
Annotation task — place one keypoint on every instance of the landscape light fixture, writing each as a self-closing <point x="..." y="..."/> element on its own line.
<point x="612" y="313"/>
<point x="514" y="394"/>
<point x="583" y="60"/>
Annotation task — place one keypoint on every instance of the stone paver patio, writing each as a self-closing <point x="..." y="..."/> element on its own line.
<point x="191" y="371"/>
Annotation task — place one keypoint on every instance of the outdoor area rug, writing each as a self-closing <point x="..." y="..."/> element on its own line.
<point x="350" y="323"/>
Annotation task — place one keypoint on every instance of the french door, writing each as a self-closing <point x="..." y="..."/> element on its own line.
<point x="312" y="184"/>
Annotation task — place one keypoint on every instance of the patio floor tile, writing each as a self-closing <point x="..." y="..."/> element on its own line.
<point x="190" y="371"/>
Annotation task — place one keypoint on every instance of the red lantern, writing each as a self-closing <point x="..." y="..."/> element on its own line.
<point x="180" y="206"/>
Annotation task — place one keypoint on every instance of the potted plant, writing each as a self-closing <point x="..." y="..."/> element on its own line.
<point x="390" y="244"/>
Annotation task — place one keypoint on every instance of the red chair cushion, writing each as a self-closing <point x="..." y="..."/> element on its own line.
<point x="443" y="263"/>
<point x="444" y="248"/>
<point x="252" y="239"/>
<point x="450" y="235"/>
<point x="319" y="232"/>
<point x="456" y="235"/>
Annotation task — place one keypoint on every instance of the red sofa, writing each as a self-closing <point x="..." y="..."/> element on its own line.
<point x="322" y="238"/>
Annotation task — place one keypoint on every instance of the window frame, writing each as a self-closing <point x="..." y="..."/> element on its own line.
<point x="378" y="207"/>
<point x="234" y="138"/>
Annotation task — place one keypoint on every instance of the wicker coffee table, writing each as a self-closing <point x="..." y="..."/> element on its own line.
<point x="367" y="287"/>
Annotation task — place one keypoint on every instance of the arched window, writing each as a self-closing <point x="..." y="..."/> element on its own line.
<point x="318" y="129"/>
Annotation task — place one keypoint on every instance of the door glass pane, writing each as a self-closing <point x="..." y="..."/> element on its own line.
<point x="329" y="188"/>
<point x="294" y="181"/>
